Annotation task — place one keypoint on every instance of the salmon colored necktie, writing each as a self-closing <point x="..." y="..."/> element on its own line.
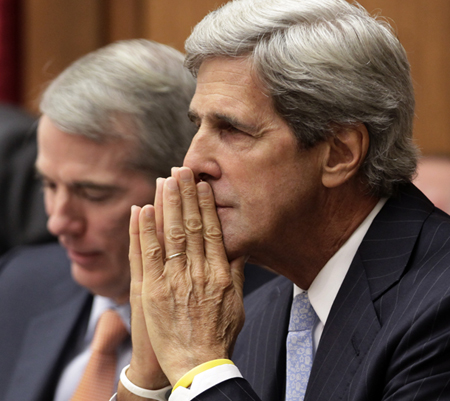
<point x="97" y="383"/>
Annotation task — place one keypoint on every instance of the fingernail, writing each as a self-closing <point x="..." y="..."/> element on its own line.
<point x="185" y="174"/>
<point x="203" y="188"/>
<point x="174" y="170"/>
<point x="160" y="182"/>
<point x="148" y="211"/>
<point x="172" y="183"/>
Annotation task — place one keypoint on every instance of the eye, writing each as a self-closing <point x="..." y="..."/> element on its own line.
<point x="48" y="185"/>
<point x="194" y="120"/>
<point x="225" y="127"/>
<point x="95" y="194"/>
<point x="230" y="133"/>
<point x="197" y="124"/>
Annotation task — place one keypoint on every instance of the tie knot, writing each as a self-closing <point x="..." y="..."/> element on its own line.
<point x="302" y="313"/>
<point x="109" y="332"/>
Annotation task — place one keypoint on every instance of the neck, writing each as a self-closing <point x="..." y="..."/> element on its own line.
<point x="309" y="247"/>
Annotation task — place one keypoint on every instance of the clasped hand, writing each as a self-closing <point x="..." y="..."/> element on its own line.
<point x="187" y="310"/>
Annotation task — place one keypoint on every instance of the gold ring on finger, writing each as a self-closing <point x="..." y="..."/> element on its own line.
<point x="175" y="255"/>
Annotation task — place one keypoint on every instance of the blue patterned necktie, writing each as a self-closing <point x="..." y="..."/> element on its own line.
<point x="299" y="347"/>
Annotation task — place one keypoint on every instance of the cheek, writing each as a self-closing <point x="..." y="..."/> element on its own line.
<point x="116" y="246"/>
<point x="117" y="233"/>
<point x="110" y="228"/>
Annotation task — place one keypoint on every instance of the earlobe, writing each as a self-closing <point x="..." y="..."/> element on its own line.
<point x="345" y="152"/>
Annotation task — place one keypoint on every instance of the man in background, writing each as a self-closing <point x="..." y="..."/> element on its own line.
<point x="112" y="122"/>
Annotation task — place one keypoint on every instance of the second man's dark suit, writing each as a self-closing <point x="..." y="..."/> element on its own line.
<point x="22" y="215"/>
<point x="43" y="315"/>
<point x="387" y="336"/>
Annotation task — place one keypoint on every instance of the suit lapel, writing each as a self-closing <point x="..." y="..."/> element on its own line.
<point x="353" y="323"/>
<point x="43" y="348"/>
<point x="260" y="351"/>
<point x="387" y="247"/>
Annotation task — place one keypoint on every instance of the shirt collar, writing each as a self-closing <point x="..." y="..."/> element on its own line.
<point x="101" y="304"/>
<point x="324" y="288"/>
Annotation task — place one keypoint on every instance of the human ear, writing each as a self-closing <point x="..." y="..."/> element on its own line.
<point x="346" y="151"/>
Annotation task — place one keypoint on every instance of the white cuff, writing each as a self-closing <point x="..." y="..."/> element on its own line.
<point x="159" y="395"/>
<point x="204" y="381"/>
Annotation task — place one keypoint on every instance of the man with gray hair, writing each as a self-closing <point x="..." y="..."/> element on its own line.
<point x="302" y="161"/>
<point x="112" y="122"/>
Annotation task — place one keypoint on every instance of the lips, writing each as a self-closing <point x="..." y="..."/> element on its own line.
<point x="85" y="259"/>
<point x="220" y="204"/>
<point x="221" y="207"/>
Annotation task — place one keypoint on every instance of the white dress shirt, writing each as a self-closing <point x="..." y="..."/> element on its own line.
<point x="73" y="372"/>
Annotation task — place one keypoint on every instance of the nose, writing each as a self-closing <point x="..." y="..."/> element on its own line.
<point x="201" y="156"/>
<point x="63" y="216"/>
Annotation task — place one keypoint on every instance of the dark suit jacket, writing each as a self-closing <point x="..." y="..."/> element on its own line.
<point x="388" y="333"/>
<point x="42" y="314"/>
<point x="22" y="215"/>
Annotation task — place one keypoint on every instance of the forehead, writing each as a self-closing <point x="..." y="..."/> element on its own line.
<point x="232" y="82"/>
<point x="226" y="70"/>
<point x="72" y="155"/>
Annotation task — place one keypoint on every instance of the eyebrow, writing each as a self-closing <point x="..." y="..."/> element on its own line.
<point x="81" y="184"/>
<point x="194" y="117"/>
<point x="93" y="185"/>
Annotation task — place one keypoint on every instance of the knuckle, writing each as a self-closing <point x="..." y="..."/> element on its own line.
<point x="153" y="254"/>
<point x="213" y="234"/>
<point x="148" y="229"/>
<point x="223" y="279"/>
<point x="133" y="254"/>
<point x="174" y="201"/>
<point x="189" y="192"/>
<point x="176" y="235"/>
<point x="206" y="204"/>
<point x="199" y="277"/>
<point x="193" y="226"/>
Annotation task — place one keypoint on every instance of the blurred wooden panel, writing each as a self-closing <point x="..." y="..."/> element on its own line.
<point x="171" y="21"/>
<point x="424" y="30"/>
<point x="55" y="34"/>
<point x="124" y="19"/>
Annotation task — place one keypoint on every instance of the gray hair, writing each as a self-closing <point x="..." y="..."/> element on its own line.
<point x="135" y="87"/>
<point x="325" y="64"/>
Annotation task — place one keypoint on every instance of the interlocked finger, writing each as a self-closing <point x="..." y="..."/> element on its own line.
<point x="135" y="255"/>
<point x="159" y="212"/>
<point x="212" y="231"/>
<point x="192" y="219"/>
<point x="174" y="235"/>
<point x="152" y="258"/>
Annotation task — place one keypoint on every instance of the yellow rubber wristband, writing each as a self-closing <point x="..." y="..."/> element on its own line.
<point x="187" y="379"/>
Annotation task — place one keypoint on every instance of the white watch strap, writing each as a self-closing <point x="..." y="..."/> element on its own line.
<point x="159" y="395"/>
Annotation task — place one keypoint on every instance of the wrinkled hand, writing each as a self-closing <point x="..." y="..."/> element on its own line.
<point x="192" y="303"/>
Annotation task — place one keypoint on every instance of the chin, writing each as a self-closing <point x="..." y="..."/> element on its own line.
<point x="88" y="278"/>
<point x="233" y="250"/>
